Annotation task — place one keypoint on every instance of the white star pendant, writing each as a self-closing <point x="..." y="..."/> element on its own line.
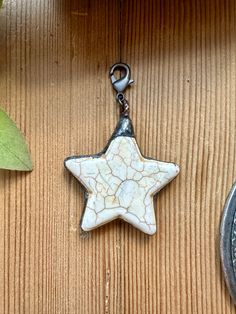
<point x="120" y="182"/>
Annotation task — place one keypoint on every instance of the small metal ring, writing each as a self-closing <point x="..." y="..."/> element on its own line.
<point x="120" y="98"/>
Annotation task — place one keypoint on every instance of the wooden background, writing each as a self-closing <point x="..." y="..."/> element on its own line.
<point x="54" y="62"/>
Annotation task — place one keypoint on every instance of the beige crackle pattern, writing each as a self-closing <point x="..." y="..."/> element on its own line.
<point x="121" y="184"/>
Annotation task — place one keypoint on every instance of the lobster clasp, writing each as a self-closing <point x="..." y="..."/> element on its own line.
<point x="122" y="83"/>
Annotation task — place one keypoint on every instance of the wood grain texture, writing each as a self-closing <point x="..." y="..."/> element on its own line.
<point x="54" y="61"/>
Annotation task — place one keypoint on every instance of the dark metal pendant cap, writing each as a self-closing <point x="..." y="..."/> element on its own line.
<point x="124" y="128"/>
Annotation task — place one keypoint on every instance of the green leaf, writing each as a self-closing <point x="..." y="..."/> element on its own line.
<point x="1" y="1"/>
<point x="14" y="153"/>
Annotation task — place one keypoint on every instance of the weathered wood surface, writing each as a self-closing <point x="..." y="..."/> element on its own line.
<point x="54" y="61"/>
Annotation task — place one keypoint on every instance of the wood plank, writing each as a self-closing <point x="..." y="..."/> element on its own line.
<point x="54" y="61"/>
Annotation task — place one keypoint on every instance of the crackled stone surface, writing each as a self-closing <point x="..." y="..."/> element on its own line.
<point x="121" y="183"/>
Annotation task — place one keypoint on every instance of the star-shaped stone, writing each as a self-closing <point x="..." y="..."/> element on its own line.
<point x="120" y="182"/>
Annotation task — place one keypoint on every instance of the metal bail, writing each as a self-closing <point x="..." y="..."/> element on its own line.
<point x="122" y="83"/>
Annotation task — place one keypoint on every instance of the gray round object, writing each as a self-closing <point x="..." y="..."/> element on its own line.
<point x="228" y="242"/>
